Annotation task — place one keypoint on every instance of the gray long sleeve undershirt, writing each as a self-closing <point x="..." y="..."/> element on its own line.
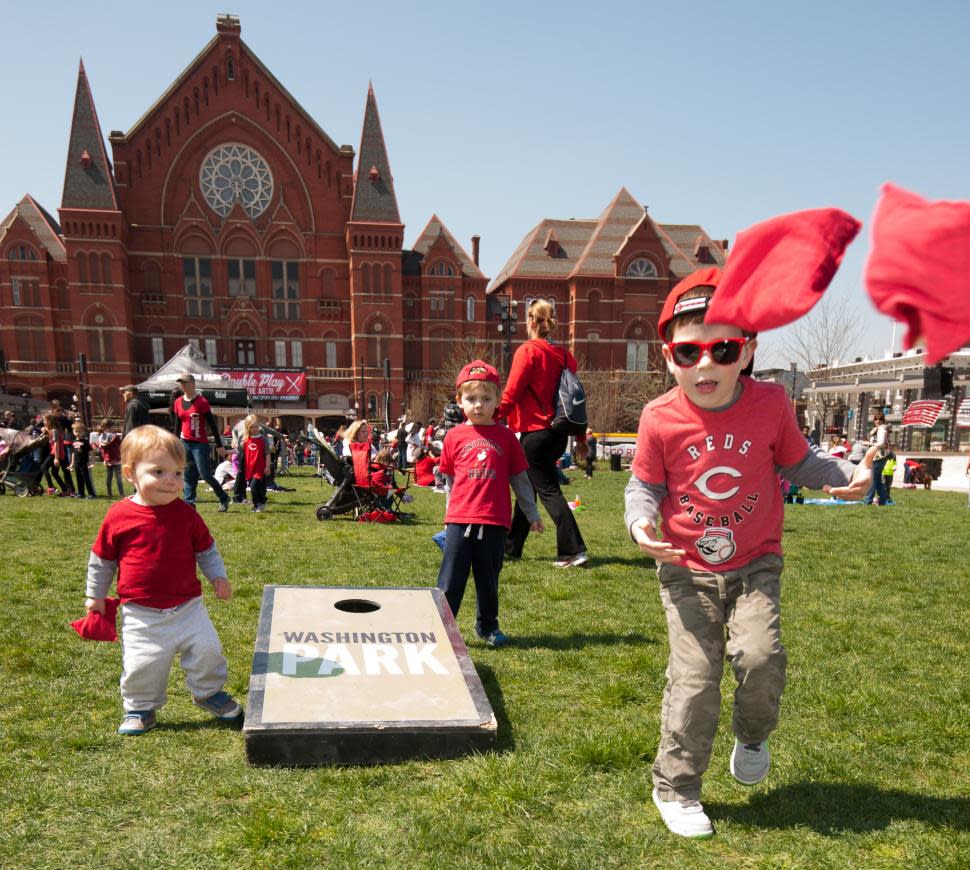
<point x="102" y="571"/>
<point x="816" y="470"/>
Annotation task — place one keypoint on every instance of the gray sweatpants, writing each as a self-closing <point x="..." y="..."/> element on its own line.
<point x="699" y="606"/>
<point x="150" y="640"/>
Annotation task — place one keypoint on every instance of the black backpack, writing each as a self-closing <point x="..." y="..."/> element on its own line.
<point x="570" y="417"/>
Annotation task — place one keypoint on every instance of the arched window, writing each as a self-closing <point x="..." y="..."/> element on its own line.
<point x="99" y="324"/>
<point x="328" y="283"/>
<point x="470" y="308"/>
<point x="82" y="268"/>
<point x="639" y="340"/>
<point x="593" y="306"/>
<point x="106" y="269"/>
<point x="376" y="342"/>
<point x="388" y="279"/>
<point x="365" y="277"/>
<point x="94" y="268"/>
<point x="21" y="252"/>
<point x="412" y="352"/>
<point x="442" y="268"/>
<point x="641" y="267"/>
<point x="151" y="282"/>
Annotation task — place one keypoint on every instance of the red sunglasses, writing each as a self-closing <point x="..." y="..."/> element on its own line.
<point x="723" y="351"/>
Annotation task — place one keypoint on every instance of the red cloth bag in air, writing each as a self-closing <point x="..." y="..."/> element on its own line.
<point x="780" y="268"/>
<point x="919" y="268"/>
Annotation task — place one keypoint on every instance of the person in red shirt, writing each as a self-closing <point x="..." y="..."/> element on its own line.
<point x="192" y="415"/>
<point x="424" y="470"/>
<point x="529" y="406"/>
<point x="707" y="461"/>
<point x="481" y="459"/>
<point x="153" y="541"/>
<point x="257" y="461"/>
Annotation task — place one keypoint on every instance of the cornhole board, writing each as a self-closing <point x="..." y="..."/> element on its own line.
<point x="349" y="675"/>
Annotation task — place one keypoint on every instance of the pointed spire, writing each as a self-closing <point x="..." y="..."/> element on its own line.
<point x="87" y="179"/>
<point x="374" y="198"/>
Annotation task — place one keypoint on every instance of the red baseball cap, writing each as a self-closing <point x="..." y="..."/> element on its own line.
<point x="674" y="307"/>
<point x="478" y="370"/>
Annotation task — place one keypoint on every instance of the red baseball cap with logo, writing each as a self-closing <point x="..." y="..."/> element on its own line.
<point x="478" y="370"/>
<point x="674" y="307"/>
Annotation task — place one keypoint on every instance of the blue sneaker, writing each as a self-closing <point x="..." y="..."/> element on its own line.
<point x="137" y="722"/>
<point x="221" y="705"/>
<point x="495" y="639"/>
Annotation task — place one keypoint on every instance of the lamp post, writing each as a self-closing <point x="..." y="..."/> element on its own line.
<point x="507" y="327"/>
<point x="794" y="374"/>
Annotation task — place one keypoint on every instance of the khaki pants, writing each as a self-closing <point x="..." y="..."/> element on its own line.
<point x="699" y="605"/>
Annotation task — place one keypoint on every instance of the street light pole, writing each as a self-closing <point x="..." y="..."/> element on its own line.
<point x="508" y="317"/>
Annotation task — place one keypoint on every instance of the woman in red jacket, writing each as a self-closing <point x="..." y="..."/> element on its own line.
<point x="529" y="405"/>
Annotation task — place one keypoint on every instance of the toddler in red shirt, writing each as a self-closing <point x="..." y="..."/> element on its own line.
<point x="257" y="464"/>
<point x="480" y="460"/>
<point x="153" y="541"/>
<point x="707" y="459"/>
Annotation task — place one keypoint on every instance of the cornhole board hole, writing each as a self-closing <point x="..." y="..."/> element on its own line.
<point x="345" y="675"/>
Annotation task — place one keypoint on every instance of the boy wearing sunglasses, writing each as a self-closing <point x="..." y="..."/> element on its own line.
<point x="707" y="462"/>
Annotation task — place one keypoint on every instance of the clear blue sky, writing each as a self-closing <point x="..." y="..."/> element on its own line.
<point x="497" y="114"/>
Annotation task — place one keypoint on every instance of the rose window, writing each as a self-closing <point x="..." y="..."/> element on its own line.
<point x="235" y="173"/>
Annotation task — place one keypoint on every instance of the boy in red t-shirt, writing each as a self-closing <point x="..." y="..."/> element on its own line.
<point x="153" y="540"/>
<point x="257" y="462"/>
<point x="707" y="459"/>
<point x="481" y="459"/>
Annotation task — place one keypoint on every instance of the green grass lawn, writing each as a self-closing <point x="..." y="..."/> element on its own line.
<point x="871" y="762"/>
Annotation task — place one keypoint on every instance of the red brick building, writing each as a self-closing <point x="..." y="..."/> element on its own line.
<point x="608" y="278"/>
<point x="226" y="217"/>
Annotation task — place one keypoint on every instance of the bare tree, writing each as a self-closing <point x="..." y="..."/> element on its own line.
<point x="615" y="399"/>
<point x="428" y="397"/>
<point x="818" y="341"/>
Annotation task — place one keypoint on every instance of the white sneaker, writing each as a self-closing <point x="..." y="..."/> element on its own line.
<point x="684" y="818"/>
<point x="577" y="561"/>
<point x="750" y="762"/>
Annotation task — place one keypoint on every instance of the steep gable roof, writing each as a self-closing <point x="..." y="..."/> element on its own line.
<point x="45" y="229"/>
<point x="374" y="198"/>
<point x="88" y="182"/>
<point x="587" y="247"/>
<point x="252" y="57"/>
<point x="612" y="228"/>
<point x="681" y="242"/>
<point x="429" y="235"/>
<point x="531" y="257"/>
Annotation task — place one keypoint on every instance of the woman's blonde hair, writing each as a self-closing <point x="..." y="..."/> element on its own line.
<point x="543" y="316"/>
<point x="138" y="443"/>
<point x="353" y="429"/>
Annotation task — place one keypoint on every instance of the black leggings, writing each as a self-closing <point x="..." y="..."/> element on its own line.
<point x="542" y="451"/>
<point x="65" y="483"/>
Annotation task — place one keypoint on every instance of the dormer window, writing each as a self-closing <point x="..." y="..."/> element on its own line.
<point x="641" y="267"/>
<point x="442" y="269"/>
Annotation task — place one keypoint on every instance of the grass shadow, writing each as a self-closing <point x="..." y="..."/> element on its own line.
<point x="833" y="808"/>
<point x="581" y="641"/>
<point x="202" y="724"/>
<point x="504" y="741"/>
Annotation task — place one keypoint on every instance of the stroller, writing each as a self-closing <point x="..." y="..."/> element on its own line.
<point x="14" y="446"/>
<point x="367" y="503"/>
